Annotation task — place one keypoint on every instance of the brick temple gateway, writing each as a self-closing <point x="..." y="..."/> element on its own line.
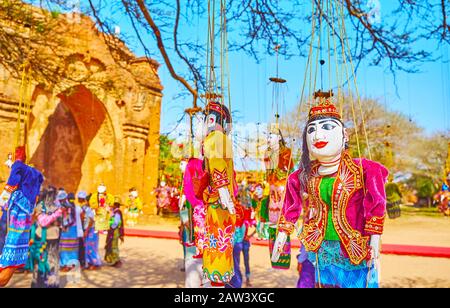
<point x="97" y="121"/>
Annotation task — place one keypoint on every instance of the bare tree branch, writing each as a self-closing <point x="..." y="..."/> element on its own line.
<point x="164" y="53"/>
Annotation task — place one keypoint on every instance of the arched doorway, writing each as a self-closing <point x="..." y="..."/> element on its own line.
<point x="71" y="128"/>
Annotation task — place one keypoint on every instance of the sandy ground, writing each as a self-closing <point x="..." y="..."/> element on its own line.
<point x="155" y="263"/>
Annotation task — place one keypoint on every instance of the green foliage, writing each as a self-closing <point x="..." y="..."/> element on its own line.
<point x="423" y="185"/>
<point x="169" y="166"/>
<point x="55" y="14"/>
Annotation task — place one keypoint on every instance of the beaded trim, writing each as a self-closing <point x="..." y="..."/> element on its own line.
<point x="220" y="179"/>
<point x="285" y="226"/>
<point x="375" y="225"/>
<point x="348" y="181"/>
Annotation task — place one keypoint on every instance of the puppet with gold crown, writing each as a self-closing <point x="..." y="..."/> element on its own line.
<point x="344" y="204"/>
<point x="219" y="195"/>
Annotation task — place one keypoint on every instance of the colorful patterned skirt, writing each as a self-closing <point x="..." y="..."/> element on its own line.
<point x="218" y="264"/>
<point x="16" y="240"/>
<point x="112" y="247"/>
<point x="284" y="262"/>
<point x="334" y="270"/>
<point x="92" y="257"/>
<point x="68" y="247"/>
<point x="199" y="218"/>
<point x="46" y="275"/>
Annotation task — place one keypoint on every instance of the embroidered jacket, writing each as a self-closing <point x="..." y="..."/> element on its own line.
<point x="358" y="206"/>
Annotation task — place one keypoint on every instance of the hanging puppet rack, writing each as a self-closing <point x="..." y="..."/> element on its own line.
<point x="217" y="86"/>
<point x="328" y="32"/>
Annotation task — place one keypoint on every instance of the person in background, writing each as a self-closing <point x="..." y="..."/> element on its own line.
<point x="163" y="197"/>
<point x="80" y="231"/>
<point x="115" y="233"/>
<point x="17" y="203"/>
<point x="44" y="241"/>
<point x="239" y="234"/>
<point x="68" y="244"/>
<point x="250" y="224"/>
<point x="90" y="236"/>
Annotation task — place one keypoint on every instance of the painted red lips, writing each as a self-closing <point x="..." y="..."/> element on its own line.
<point x="320" y="144"/>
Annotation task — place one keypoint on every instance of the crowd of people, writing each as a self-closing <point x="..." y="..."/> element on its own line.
<point x="48" y="230"/>
<point x="65" y="234"/>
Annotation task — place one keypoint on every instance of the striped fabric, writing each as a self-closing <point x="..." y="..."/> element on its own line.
<point x="68" y="247"/>
<point x="15" y="249"/>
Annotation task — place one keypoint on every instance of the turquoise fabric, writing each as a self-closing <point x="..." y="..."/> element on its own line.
<point x="334" y="269"/>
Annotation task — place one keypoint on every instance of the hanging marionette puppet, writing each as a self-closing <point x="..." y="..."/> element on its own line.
<point x="345" y="204"/>
<point x="134" y="208"/>
<point x="195" y="180"/>
<point x="17" y="202"/>
<point x="260" y="203"/>
<point x="219" y="196"/>
<point x="101" y="202"/>
<point x="278" y="162"/>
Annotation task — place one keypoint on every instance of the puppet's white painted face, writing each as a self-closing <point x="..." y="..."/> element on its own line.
<point x="183" y="165"/>
<point x="210" y="124"/>
<point x="101" y="189"/>
<point x="259" y="191"/>
<point x="274" y="141"/>
<point x="325" y="139"/>
<point x="134" y="194"/>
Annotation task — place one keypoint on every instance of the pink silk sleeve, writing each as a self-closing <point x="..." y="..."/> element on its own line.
<point x="194" y="166"/>
<point x="45" y="220"/>
<point x="292" y="206"/>
<point x="375" y="177"/>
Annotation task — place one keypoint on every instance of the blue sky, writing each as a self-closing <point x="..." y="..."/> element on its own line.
<point x="424" y="97"/>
